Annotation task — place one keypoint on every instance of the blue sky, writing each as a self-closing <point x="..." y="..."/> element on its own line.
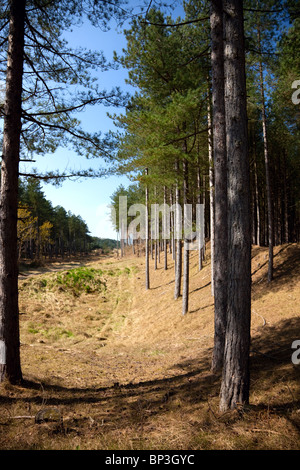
<point x="89" y="198"/>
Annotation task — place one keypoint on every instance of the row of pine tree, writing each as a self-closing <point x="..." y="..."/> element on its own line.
<point x="165" y="136"/>
<point x="45" y="231"/>
<point x="214" y="120"/>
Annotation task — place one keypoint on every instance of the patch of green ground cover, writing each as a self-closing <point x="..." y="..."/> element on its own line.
<point x="81" y="280"/>
<point x="53" y="333"/>
<point x="74" y="281"/>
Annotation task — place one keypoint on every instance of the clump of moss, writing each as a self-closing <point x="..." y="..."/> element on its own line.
<point x="75" y="281"/>
<point x="81" y="280"/>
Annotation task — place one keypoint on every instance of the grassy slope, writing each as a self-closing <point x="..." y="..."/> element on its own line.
<point x="126" y="370"/>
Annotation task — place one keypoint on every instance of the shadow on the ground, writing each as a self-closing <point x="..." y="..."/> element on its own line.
<point x="270" y="364"/>
<point x="284" y="271"/>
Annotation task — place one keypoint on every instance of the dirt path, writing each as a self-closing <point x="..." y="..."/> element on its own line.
<point x="127" y="371"/>
<point x="61" y="265"/>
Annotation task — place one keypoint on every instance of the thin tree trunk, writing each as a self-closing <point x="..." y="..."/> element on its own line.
<point x="267" y="169"/>
<point x="178" y="263"/>
<point x="200" y="248"/>
<point x="172" y="241"/>
<point x="204" y="205"/>
<point x="285" y="211"/>
<point x="220" y="251"/>
<point x="186" y="252"/>
<point x="211" y="194"/>
<point x="10" y="365"/>
<point x="164" y="231"/>
<point x="155" y="233"/>
<point x="147" y="235"/>
<point x="258" y="235"/>
<point x="236" y="380"/>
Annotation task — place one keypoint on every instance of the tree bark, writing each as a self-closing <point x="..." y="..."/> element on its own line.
<point x="10" y="368"/>
<point x="220" y="176"/>
<point x="200" y="248"/>
<point x="285" y="201"/>
<point x="172" y="241"/>
<point x="186" y="252"/>
<point x="155" y="233"/>
<point x="178" y="262"/>
<point x="211" y="194"/>
<point x="267" y="169"/>
<point x="147" y="275"/>
<point x="204" y="205"/>
<point x="165" y="239"/>
<point x="235" y="379"/>
<point x="258" y="231"/>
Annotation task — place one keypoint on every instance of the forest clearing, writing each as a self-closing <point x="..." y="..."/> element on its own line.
<point x="109" y="365"/>
<point x="149" y="225"/>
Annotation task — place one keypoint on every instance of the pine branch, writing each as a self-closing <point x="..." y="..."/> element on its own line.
<point x="180" y="139"/>
<point x="66" y="110"/>
<point x="40" y="78"/>
<point x="59" y="177"/>
<point x="183" y="23"/>
<point x="257" y="10"/>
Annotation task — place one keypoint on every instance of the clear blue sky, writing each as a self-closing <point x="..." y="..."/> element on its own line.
<point x="89" y="197"/>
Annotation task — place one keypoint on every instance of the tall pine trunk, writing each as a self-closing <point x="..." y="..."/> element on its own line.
<point x="10" y="366"/>
<point x="165" y="238"/>
<point x="235" y="379"/>
<point x="220" y="177"/>
<point x="200" y="248"/>
<point x="267" y="168"/>
<point x="258" y="231"/>
<point x="211" y="194"/>
<point x="178" y="260"/>
<point x="172" y="241"/>
<point x="204" y="205"/>
<point x="147" y="274"/>
<point x="155" y="233"/>
<point x="186" y="252"/>
<point x="285" y="201"/>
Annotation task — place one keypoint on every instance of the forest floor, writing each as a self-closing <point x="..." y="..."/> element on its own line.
<point x="108" y="365"/>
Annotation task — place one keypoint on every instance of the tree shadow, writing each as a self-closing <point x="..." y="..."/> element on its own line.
<point x="201" y="287"/>
<point x="285" y="270"/>
<point x="135" y="404"/>
<point x="202" y="308"/>
<point x="273" y="345"/>
<point x="163" y="285"/>
<point x="270" y="351"/>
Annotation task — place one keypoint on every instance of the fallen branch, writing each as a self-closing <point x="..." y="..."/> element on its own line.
<point x="266" y="430"/>
<point x="263" y="319"/>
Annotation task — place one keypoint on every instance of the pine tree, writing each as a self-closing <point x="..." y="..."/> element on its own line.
<point x="9" y="310"/>
<point x="236" y="379"/>
<point x="165" y="65"/>
<point x="43" y="117"/>
<point x="219" y="261"/>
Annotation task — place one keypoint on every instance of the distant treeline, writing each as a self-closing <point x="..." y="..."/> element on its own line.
<point x="45" y="231"/>
<point x="104" y="244"/>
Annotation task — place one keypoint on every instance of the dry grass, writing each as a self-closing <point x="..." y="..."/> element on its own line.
<point x="123" y="369"/>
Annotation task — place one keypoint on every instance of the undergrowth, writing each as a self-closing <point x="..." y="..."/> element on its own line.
<point x="127" y="371"/>
<point x="81" y="280"/>
<point x="75" y="281"/>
